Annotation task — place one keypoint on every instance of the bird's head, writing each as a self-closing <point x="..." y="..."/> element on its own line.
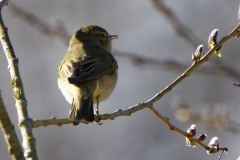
<point x="96" y="34"/>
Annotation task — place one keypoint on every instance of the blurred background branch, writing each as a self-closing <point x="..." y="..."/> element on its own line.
<point x="210" y="117"/>
<point x="59" y="31"/>
<point x="182" y="29"/>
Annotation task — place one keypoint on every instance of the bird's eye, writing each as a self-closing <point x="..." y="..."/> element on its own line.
<point x="103" y="35"/>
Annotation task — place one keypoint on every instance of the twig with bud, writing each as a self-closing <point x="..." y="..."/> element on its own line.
<point x="196" y="56"/>
<point x="158" y="96"/>
<point x="212" y="41"/>
<point x="213" y="146"/>
<point x="191" y="133"/>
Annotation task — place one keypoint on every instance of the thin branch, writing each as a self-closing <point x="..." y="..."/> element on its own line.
<point x="14" y="147"/>
<point x="195" y="65"/>
<point x="118" y="113"/>
<point x="21" y="103"/>
<point x="186" y="33"/>
<point x="238" y="34"/>
<point x="110" y="116"/>
<point x="158" y="96"/>
<point x="183" y="133"/>
<point x="174" y="128"/>
<point x="166" y="121"/>
<point x="150" y="102"/>
<point x="29" y="143"/>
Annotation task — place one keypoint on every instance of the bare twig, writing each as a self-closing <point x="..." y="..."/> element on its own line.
<point x="166" y="121"/>
<point x="118" y="113"/>
<point x="26" y="124"/>
<point x="149" y="103"/>
<point x="110" y="116"/>
<point x="14" y="147"/>
<point x="185" y="32"/>
<point x="155" y="98"/>
<point x="174" y="128"/>
<point x="183" y="133"/>
<point x="194" y="66"/>
<point x="29" y="143"/>
<point x="238" y="33"/>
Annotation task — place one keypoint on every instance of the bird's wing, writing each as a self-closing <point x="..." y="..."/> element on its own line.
<point x="90" y="67"/>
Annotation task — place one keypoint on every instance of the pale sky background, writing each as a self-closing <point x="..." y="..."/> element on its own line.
<point x="141" y="30"/>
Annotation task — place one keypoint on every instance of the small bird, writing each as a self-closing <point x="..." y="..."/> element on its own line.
<point x="88" y="72"/>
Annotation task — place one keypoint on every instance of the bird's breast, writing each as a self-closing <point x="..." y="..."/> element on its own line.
<point x="105" y="86"/>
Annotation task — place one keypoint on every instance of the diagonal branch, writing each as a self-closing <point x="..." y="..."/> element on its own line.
<point x="183" y="133"/>
<point x="195" y="65"/>
<point x="150" y="102"/>
<point x="127" y="112"/>
<point x="14" y="147"/>
<point x="29" y="144"/>
<point x="174" y="128"/>
<point x="186" y="33"/>
<point x="26" y="124"/>
<point x="158" y="96"/>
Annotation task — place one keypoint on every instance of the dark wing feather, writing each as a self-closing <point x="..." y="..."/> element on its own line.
<point x="92" y="67"/>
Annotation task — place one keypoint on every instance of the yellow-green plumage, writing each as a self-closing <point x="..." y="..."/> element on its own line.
<point x="88" y="72"/>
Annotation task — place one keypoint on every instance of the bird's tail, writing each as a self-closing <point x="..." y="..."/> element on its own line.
<point x="82" y="108"/>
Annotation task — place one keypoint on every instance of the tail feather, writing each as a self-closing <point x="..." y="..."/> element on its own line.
<point x="82" y="108"/>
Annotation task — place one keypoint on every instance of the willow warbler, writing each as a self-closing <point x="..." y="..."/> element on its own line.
<point x="88" y="72"/>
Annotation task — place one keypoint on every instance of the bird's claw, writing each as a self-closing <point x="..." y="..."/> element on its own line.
<point x="99" y="122"/>
<point x="98" y="117"/>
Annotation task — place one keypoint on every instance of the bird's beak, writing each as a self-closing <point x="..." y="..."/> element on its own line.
<point x="112" y="37"/>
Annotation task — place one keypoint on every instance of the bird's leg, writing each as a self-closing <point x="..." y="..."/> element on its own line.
<point x="97" y="113"/>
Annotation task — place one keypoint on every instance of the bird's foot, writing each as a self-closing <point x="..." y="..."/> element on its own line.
<point x="98" y="117"/>
<point x="75" y="123"/>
